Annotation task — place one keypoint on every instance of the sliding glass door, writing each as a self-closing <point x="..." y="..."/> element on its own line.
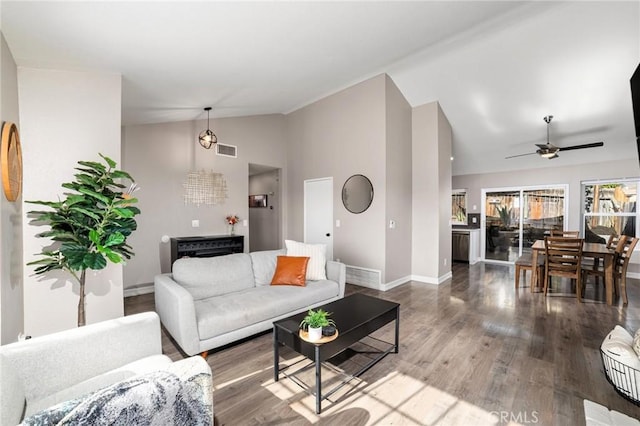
<point x="515" y="218"/>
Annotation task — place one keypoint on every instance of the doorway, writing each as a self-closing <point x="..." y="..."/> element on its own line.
<point x="514" y="218"/>
<point x="318" y="213"/>
<point x="265" y="212"/>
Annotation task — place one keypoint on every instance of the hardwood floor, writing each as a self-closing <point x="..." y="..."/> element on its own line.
<point x="472" y="351"/>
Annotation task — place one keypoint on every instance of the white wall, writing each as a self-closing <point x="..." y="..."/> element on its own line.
<point x="431" y="143"/>
<point x="339" y="136"/>
<point x="11" y="288"/>
<point x="159" y="156"/>
<point x="65" y="117"/>
<point x="265" y="222"/>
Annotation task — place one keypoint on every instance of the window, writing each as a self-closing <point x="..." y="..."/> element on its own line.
<point x="459" y="207"/>
<point x="609" y="208"/>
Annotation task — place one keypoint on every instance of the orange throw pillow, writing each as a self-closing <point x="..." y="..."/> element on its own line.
<point x="290" y="270"/>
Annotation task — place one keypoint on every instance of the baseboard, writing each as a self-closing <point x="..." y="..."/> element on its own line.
<point x="395" y="283"/>
<point x="366" y="285"/>
<point x="138" y="290"/>
<point x="432" y="280"/>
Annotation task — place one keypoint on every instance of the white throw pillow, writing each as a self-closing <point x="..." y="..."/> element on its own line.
<point x="317" y="257"/>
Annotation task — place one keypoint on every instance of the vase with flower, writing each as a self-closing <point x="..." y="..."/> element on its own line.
<point x="232" y="219"/>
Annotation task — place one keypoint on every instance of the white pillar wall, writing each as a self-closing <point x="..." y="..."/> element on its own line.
<point x="431" y="188"/>
<point x="65" y="117"/>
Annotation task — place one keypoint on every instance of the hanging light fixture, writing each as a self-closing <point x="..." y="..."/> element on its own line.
<point x="207" y="138"/>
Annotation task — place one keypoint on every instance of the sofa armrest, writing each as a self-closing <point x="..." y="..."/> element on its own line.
<point x="337" y="272"/>
<point x="177" y="312"/>
<point x="47" y="364"/>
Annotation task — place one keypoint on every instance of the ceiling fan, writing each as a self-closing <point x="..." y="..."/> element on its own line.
<point x="550" y="151"/>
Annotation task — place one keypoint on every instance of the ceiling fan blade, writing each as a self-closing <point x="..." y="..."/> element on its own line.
<point x="519" y="155"/>
<point x="586" y="145"/>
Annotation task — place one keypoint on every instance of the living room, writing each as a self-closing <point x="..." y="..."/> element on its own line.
<point x="367" y="124"/>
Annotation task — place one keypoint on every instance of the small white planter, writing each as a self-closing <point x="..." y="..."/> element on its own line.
<point x="315" y="334"/>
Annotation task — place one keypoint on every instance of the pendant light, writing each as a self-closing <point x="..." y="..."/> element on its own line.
<point x="207" y="138"/>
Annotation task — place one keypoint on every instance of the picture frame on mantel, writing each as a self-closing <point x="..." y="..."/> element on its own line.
<point x="258" y="200"/>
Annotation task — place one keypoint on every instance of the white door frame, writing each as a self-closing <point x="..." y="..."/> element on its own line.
<point x="483" y="213"/>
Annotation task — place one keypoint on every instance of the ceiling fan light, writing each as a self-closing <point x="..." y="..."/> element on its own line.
<point x="548" y="154"/>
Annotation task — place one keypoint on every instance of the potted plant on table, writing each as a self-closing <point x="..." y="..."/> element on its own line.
<point x="314" y="321"/>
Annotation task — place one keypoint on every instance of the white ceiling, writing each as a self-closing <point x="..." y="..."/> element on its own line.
<point x="497" y="68"/>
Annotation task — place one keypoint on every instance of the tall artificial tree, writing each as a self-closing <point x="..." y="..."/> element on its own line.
<point x="90" y="226"/>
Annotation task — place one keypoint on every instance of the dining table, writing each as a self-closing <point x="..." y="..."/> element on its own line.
<point x="589" y="250"/>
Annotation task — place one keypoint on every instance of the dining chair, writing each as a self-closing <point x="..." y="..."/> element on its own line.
<point x="561" y="233"/>
<point x="525" y="263"/>
<point x="595" y="268"/>
<point x="563" y="256"/>
<point x="622" y="263"/>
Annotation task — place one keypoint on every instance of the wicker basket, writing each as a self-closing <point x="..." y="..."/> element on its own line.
<point x="625" y="379"/>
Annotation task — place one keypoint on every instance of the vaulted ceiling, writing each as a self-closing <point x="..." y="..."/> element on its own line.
<point x="497" y="68"/>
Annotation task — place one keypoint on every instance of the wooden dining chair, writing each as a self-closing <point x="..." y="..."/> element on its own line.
<point x="525" y="263"/>
<point x="593" y="267"/>
<point x="563" y="258"/>
<point x="567" y="234"/>
<point x="623" y="254"/>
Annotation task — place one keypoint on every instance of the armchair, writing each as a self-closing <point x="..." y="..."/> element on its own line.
<point x="89" y="367"/>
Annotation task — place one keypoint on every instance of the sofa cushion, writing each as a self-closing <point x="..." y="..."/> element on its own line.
<point x="290" y="270"/>
<point x="264" y="265"/>
<point x="212" y="276"/>
<point x="316" y="270"/>
<point x="142" y="366"/>
<point x="229" y="312"/>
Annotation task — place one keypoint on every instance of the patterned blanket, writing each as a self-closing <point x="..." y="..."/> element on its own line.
<point x="180" y="395"/>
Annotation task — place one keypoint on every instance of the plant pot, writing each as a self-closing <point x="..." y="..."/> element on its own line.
<point x="315" y="334"/>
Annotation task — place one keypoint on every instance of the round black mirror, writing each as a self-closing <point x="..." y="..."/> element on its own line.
<point x="357" y="193"/>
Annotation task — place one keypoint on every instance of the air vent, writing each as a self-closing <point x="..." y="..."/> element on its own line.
<point x="227" y="150"/>
<point x="364" y="277"/>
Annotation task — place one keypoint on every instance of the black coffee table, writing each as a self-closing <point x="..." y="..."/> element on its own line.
<point x="356" y="317"/>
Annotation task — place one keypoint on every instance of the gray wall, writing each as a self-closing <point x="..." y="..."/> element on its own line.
<point x="570" y="175"/>
<point x="398" y="184"/>
<point x="339" y="136"/>
<point x="264" y="223"/>
<point x="159" y="156"/>
<point x="11" y="288"/>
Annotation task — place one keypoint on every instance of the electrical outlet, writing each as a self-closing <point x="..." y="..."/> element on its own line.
<point x="338" y="223"/>
<point x="195" y="223"/>
<point x="392" y="224"/>
<point x="474" y="220"/>
<point x="445" y="261"/>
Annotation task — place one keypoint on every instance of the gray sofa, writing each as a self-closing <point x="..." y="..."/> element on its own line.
<point x="206" y="303"/>
<point x="92" y="374"/>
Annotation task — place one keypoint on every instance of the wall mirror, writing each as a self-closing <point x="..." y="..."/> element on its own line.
<point x="357" y="193"/>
